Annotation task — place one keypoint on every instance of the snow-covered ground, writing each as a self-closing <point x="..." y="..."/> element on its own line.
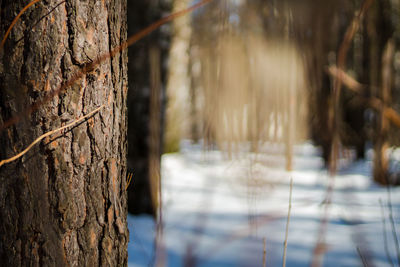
<point x="217" y="212"/>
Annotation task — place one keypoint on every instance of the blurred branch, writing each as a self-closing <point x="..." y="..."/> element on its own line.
<point x="345" y="78"/>
<point x="15" y="21"/>
<point x="89" y="67"/>
<point x="374" y="102"/>
<point x="348" y="38"/>
<point x="319" y="248"/>
<point x="341" y="63"/>
<point x="392" y="116"/>
<point x="39" y="20"/>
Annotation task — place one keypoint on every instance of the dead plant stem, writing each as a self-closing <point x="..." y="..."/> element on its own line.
<point x="392" y="223"/>
<point x="385" y="239"/>
<point x="363" y="260"/>
<point x="287" y="223"/>
<point x="265" y="253"/>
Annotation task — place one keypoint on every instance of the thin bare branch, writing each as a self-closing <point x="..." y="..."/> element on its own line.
<point x="15" y="21"/>
<point x="392" y="116"/>
<point x="346" y="79"/>
<point x="89" y="67"/>
<point x="39" y="20"/>
<point x="389" y="113"/>
<point x="40" y="138"/>
<point x="337" y="85"/>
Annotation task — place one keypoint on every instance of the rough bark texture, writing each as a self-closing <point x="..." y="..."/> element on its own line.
<point x="64" y="202"/>
<point x="141" y="86"/>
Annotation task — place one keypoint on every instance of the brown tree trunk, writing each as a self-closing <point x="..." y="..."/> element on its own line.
<point x="380" y="30"/>
<point x="64" y="202"/>
<point x="381" y="161"/>
<point x="318" y="20"/>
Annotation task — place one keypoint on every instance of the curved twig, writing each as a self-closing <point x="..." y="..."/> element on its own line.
<point x="89" y="67"/>
<point x="40" y="138"/>
<point x="15" y="21"/>
<point x="39" y="20"/>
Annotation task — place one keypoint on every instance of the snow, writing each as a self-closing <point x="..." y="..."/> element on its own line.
<point x="217" y="211"/>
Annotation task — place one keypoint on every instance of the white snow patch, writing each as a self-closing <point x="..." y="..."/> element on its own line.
<point x="217" y="211"/>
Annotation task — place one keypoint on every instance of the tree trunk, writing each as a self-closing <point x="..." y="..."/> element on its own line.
<point x="64" y="202"/>
<point x="145" y="142"/>
<point x="317" y="22"/>
<point x="381" y="161"/>
<point x="178" y="83"/>
<point x="380" y="30"/>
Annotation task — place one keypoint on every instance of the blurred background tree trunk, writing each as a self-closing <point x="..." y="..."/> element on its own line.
<point x="64" y="202"/>
<point x="380" y="30"/>
<point x="178" y="83"/>
<point x="145" y="124"/>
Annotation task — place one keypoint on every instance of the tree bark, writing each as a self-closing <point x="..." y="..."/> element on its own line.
<point x="64" y="202"/>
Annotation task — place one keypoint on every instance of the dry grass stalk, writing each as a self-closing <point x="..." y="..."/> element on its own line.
<point x="129" y="180"/>
<point x="385" y="239"/>
<point x="392" y="222"/>
<point x="265" y="253"/>
<point x="287" y="223"/>
<point x="363" y="260"/>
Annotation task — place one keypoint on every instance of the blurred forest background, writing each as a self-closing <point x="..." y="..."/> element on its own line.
<point x="238" y="74"/>
<point x="254" y="80"/>
<point x="228" y="104"/>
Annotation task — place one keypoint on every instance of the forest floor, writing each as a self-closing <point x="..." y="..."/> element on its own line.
<point x="218" y="211"/>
